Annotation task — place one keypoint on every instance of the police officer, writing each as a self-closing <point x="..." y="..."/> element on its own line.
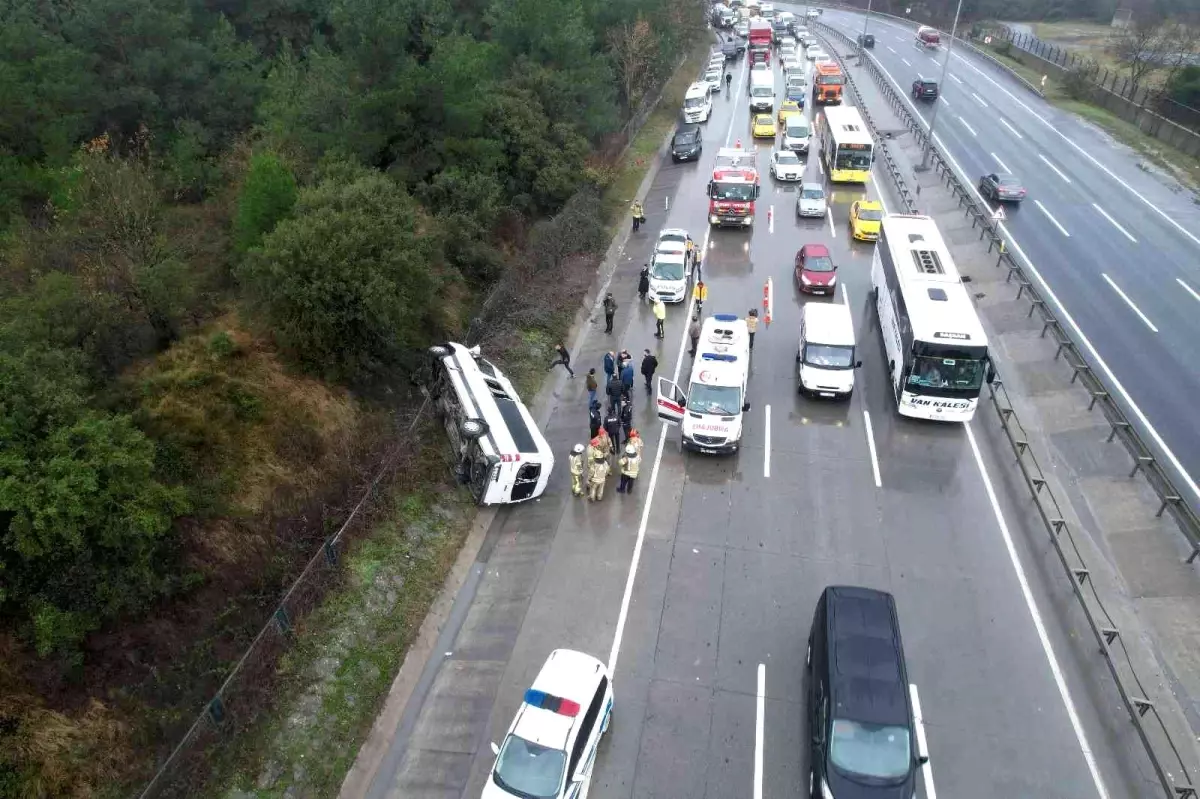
<point x="576" y="462"/>
<point x="612" y="426"/>
<point x="595" y="419"/>
<point x="629" y="464"/>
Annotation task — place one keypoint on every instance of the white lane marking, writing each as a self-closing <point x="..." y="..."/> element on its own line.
<point x="955" y="78"/>
<point x="639" y="542"/>
<point x="767" y="445"/>
<point x="771" y="219"/>
<point x="871" y="447"/>
<point x="829" y="216"/>
<point x="1042" y="208"/>
<point x="919" y="75"/>
<point x="1001" y="163"/>
<point x="922" y="741"/>
<point x="945" y="102"/>
<point x="760" y="702"/>
<point x="820" y="166"/>
<point x="888" y="46"/>
<point x="1128" y="301"/>
<point x="968" y="127"/>
<point x="979" y="100"/>
<point x="1114" y="222"/>
<point x="1189" y="289"/>
<point x="1059" y="680"/>
<point x="1011" y="129"/>
<point x="1082" y="152"/>
<point x="906" y="63"/>
<point x="1057" y="171"/>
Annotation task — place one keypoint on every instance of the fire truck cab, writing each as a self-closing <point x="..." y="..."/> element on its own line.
<point x="733" y="189"/>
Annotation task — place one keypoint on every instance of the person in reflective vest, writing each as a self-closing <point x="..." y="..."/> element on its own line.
<point x="635" y="439"/>
<point x="700" y="294"/>
<point x="597" y="474"/>
<point x="752" y="325"/>
<point x="629" y="464"/>
<point x="576" y="462"/>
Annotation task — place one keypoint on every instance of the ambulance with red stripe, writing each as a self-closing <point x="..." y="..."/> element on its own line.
<point x="550" y="749"/>
<point x="710" y="412"/>
<point x="733" y="189"/>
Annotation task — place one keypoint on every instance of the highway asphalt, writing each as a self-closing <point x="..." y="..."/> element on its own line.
<point x="714" y="567"/>
<point x="1118" y="246"/>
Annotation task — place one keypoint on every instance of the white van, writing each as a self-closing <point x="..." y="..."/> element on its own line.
<point x="825" y="356"/>
<point x="796" y="133"/>
<point x="497" y="450"/>
<point x="697" y="103"/>
<point x="762" y="91"/>
<point x="710" y="413"/>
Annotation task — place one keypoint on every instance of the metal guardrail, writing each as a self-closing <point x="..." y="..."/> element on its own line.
<point x="1152" y="730"/>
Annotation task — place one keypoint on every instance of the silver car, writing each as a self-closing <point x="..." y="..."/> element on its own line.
<point x="810" y="200"/>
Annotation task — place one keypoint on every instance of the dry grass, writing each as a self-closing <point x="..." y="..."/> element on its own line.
<point x="1091" y="40"/>
<point x="230" y="416"/>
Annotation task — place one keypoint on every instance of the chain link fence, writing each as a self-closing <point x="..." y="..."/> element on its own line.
<point x="1171" y="769"/>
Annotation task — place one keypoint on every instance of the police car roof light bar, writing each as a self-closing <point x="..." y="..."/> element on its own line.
<point x="725" y="317"/>
<point x="713" y="356"/>
<point x="555" y="704"/>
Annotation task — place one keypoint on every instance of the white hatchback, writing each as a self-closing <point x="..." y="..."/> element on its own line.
<point x="812" y="51"/>
<point x="550" y="749"/>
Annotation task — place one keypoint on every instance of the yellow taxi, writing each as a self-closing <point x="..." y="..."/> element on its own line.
<point x="789" y="107"/>
<point x="764" y="128"/>
<point x="865" y="216"/>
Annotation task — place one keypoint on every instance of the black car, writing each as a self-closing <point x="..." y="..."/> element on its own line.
<point x="925" y="89"/>
<point x="1001" y="188"/>
<point x="686" y="143"/>
<point x="866" y="40"/>
<point x="863" y="739"/>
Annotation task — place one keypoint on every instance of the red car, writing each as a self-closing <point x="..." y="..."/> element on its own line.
<point x="815" y="271"/>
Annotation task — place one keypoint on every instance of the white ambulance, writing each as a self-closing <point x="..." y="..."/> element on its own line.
<point x="710" y="412"/>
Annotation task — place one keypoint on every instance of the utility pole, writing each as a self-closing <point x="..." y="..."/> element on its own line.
<point x="924" y="165"/>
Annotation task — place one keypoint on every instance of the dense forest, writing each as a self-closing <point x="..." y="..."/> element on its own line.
<point x="227" y="228"/>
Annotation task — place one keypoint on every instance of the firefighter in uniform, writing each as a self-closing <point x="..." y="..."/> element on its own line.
<point x="629" y="464"/>
<point x="576" y="462"/>
<point x="635" y="440"/>
<point x="597" y="474"/>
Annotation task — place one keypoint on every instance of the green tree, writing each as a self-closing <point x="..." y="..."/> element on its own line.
<point x="267" y="196"/>
<point x="349" y="283"/>
<point x="86" y="526"/>
<point x="1184" y="86"/>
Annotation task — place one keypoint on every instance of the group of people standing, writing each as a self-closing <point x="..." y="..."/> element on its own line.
<point x="611" y="429"/>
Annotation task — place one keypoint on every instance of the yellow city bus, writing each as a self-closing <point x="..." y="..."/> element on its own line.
<point x="846" y="146"/>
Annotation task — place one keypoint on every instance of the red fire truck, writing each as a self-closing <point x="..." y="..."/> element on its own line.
<point x="733" y="188"/>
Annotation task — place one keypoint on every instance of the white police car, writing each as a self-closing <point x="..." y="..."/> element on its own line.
<point x="550" y="749"/>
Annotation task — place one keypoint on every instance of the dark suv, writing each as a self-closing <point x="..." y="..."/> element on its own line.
<point x="925" y="89"/>
<point x="866" y="40"/>
<point x="686" y="144"/>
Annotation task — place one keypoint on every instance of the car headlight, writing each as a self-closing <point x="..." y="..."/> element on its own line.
<point x="713" y="219"/>
<point x="804" y="279"/>
<point x="832" y="279"/>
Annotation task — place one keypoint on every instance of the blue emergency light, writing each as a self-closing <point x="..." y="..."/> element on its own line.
<point x="725" y="317"/>
<point x="716" y="356"/>
<point x="555" y="704"/>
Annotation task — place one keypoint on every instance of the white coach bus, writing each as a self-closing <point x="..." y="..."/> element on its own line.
<point x="499" y="452"/>
<point x="936" y="349"/>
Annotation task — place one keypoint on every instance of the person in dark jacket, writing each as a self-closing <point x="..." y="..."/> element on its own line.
<point x="593" y="385"/>
<point x="694" y="334"/>
<point x="627" y="419"/>
<point x="644" y="283"/>
<point x="563" y="359"/>
<point x="612" y="426"/>
<point x="610" y="310"/>
<point x="595" y="420"/>
<point x="649" y="367"/>
<point x="615" y="391"/>
<point x="610" y="364"/>
<point x="627" y="379"/>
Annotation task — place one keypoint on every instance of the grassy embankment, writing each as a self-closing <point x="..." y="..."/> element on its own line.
<point x="347" y="651"/>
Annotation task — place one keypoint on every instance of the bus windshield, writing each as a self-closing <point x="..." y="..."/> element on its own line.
<point x="741" y="192"/>
<point x="946" y="375"/>
<point x="830" y="80"/>
<point x="853" y="159"/>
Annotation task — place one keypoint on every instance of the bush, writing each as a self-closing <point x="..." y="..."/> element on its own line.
<point x="1184" y="86"/>
<point x="85" y="529"/>
<point x="267" y="197"/>
<point x="1077" y="83"/>
<point x="1002" y="47"/>
<point x="349" y="284"/>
